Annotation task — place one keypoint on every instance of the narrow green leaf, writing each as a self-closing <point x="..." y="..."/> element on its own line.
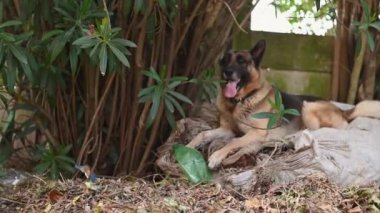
<point x="103" y="58"/>
<point x="152" y="74"/>
<point x="292" y="112"/>
<point x="138" y="5"/>
<point x="85" y="41"/>
<point x="11" y="72"/>
<point x="263" y="115"/>
<point x="73" y="55"/>
<point x="178" y="78"/>
<point x="123" y="42"/>
<point x="169" y="105"/>
<point x="119" y="55"/>
<point x="7" y="37"/>
<point x="42" y="167"/>
<point x="272" y="121"/>
<point x="124" y="50"/>
<point x="64" y="166"/>
<point x="146" y="91"/>
<point x="18" y="53"/>
<point x="272" y="104"/>
<point x="8" y="122"/>
<point x="28" y="72"/>
<point x="63" y="12"/>
<point x="50" y="34"/>
<point x="177" y="106"/>
<point x="145" y="98"/>
<point x="10" y="23"/>
<point x="370" y="40"/>
<point x="162" y="4"/>
<point x="174" y="84"/>
<point x="5" y="151"/>
<point x="54" y="173"/>
<point x="278" y="98"/>
<point x="65" y="150"/>
<point x="85" y="6"/>
<point x="192" y="164"/>
<point x="56" y="47"/>
<point x="170" y="118"/>
<point x="66" y="159"/>
<point x="94" y="50"/>
<point x="163" y="72"/>
<point x="365" y="9"/>
<point x="156" y="100"/>
<point x="181" y="97"/>
<point x="375" y="25"/>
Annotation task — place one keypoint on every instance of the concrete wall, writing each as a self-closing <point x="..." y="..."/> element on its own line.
<point x="298" y="64"/>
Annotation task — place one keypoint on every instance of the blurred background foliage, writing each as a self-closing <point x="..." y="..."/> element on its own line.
<point x="73" y="70"/>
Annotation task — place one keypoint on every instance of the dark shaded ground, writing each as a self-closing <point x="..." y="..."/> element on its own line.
<point x="177" y="195"/>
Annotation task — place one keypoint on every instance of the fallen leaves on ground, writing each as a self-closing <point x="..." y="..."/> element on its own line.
<point x="130" y="194"/>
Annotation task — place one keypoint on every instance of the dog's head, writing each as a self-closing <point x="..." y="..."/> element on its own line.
<point x="241" y="71"/>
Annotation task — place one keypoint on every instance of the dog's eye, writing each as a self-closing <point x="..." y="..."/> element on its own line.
<point x="240" y="59"/>
<point x="225" y="60"/>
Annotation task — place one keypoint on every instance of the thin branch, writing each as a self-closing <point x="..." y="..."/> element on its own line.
<point x="233" y="17"/>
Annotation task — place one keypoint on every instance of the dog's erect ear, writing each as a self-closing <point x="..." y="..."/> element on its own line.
<point x="257" y="52"/>
<point x="225" y="58"/>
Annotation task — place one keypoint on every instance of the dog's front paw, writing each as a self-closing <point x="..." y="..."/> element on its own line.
<point x="192" y="144"/>
<point x="216" y="158"/>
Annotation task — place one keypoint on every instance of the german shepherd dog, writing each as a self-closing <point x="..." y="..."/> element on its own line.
<point x="247" y="92"/>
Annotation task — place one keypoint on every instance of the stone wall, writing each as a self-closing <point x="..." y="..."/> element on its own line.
<point x="299" y="64"/>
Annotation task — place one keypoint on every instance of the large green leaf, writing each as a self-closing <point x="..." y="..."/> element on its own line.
<point x="192" y="163"/>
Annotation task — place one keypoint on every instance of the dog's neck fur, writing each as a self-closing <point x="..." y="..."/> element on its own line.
<point x="262" y="83"/>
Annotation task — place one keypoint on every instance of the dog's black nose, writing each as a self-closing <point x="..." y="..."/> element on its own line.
<point x="228" y="72"/>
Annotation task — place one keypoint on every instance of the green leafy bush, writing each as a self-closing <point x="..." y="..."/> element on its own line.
<point x="279" y="111"/>
<point x="54" y="161"/>
<point x="164" y="91"/>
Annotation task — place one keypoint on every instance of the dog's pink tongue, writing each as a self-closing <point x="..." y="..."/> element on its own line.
<point x="230" y="89"/>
